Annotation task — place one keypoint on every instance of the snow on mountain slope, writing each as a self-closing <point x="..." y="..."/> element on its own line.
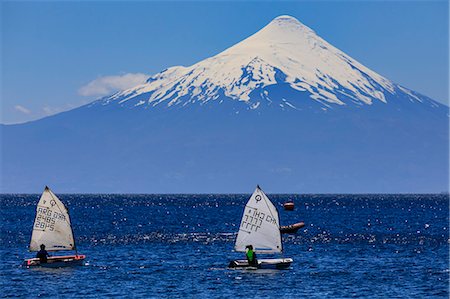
<point x="283" y="52"/>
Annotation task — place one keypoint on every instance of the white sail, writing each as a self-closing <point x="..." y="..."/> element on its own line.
<point x="260" y="225"/>
<point x="51" y="225"/>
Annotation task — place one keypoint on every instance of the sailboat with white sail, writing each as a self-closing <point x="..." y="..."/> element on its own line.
<point x="52" y="228"/>
<point x="260" y="229"/>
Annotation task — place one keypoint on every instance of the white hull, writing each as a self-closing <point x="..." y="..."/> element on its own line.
<point x="282" y="263"/>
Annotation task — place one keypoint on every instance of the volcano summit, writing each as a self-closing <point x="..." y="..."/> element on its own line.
<point x="284" y="53"/>
<point x="282" y="108"/>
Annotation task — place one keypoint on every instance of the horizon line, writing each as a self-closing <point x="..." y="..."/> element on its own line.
<point x="245" y="193"/>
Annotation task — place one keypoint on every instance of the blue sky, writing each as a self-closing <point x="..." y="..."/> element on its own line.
<point x="59" y="55"/>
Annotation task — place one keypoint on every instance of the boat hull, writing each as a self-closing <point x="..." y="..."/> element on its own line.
<point x="56" y="261"/>
<point x="283" y="263"/>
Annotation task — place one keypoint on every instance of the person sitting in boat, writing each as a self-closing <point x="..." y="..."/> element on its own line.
<point x="251" y="256"/>
<point x="42" y="254"/>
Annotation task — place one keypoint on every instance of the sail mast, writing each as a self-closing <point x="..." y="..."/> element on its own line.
<point x="278" y="216"/>
<point x="71" y="228"/>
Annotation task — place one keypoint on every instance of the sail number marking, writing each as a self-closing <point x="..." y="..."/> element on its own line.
<point x="253" y="219"/>
<point x="46" y="218"/>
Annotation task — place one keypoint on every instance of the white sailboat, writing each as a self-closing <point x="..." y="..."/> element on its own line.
<point x="53" y="229"/>
<point x="260" y="228"/>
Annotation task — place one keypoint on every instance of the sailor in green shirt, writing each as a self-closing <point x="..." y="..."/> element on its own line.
<point x="251" y="256"/>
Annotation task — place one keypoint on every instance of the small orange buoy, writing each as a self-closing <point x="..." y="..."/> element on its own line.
<point x="289" y="206"/>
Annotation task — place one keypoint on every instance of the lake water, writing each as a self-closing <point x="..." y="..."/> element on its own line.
<point x="179" y="246"/>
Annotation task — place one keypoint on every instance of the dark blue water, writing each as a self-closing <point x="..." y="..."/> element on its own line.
<point x="375" y="246"/>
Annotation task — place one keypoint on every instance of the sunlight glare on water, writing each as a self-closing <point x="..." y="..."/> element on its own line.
<point x="144" y="246"/>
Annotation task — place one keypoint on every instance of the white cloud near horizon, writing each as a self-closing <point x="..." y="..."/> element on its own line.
<point x="22" y="109"/>
<point x="108" y="84"/>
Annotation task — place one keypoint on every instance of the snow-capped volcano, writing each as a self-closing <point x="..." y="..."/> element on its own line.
<point x="313" y="120"/>
<point x="285" y="52"/>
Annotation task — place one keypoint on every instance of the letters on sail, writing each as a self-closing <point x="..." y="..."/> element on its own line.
<point x="52" y="225"/>
<point x="259" y="225"/>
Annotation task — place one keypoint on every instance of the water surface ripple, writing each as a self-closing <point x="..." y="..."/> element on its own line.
<point x="178" y="246"/>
